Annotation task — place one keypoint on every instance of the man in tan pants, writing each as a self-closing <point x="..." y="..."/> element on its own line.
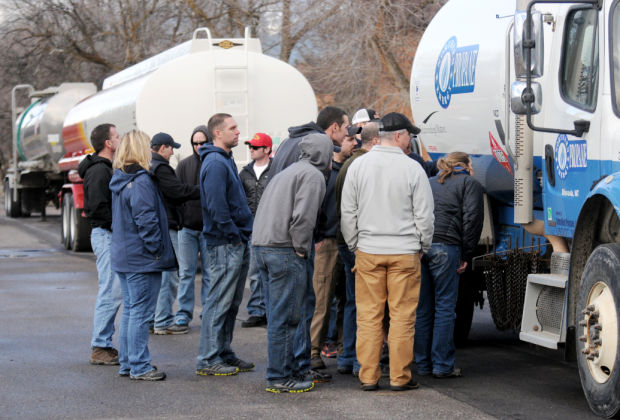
<point x="387" y="219"/>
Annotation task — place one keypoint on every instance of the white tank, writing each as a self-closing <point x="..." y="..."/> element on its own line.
<point x="458" y="87"/>
<point x="181" y="88"/>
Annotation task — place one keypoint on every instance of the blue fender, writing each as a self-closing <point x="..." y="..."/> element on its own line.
<point x="609" y="187"/>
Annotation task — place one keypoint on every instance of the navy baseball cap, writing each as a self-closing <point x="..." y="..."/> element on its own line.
<point x="164" y="138"/>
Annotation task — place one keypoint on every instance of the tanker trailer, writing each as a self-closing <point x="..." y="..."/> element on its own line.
<point x="532" y="92"/>
<point x="178" y="89"/>
<point x="34" y="177"/>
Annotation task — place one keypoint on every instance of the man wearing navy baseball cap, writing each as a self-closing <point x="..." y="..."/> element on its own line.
<point x="174" y="194"/>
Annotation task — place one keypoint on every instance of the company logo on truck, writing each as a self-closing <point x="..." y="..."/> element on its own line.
<point x="455" y="71"/>
<point x="570" y="155"/>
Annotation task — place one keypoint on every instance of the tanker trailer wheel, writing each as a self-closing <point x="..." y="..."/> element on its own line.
<point x="11" y="208"/>
<point x="65" y="230"/>
<point x="79" y="229"/>
<point x="598" y="346"/>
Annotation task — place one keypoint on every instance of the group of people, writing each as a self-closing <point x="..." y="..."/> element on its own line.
<point x="344" y="209"/>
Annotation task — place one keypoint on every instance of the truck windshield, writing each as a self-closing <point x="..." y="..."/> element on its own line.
<point x="615" y="53"/>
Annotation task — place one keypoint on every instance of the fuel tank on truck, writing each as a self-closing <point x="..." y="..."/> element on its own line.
<point x="181" y="88"/>
<point x="458" y="88"/>
<point x="38" y="128"/>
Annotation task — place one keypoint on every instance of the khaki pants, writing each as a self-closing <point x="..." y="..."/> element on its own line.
<point x="327" y="268"/>
<point x="395" y="279"/>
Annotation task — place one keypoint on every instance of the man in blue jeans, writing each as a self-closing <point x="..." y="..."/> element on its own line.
<point x="227" y="228"/>
<point x="191" y="240"/>
<point x="282" y="250"/>
<point x="96" y="170"/>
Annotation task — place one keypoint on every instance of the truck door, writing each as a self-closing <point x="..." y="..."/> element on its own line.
<point x="572" y="164"/>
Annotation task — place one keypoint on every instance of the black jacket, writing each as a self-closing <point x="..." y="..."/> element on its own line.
<point x="288" y="152"/>
<point x="459" y="212"/>
<point x="174" y="191"/>
<point x="429" y="166"/>
<point x="188" y="172"/>
<point x="329" y="216"/>
<point x="254" y="187"/>
<point x="96" y="172"/>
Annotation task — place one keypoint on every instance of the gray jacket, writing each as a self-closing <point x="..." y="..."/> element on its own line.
<point x="289" y="207"/>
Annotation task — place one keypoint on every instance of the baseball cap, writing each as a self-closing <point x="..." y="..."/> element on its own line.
<point x="260" y="140"/>
<point x="353" y="130"/>
<point x="363" y="115"/>
<point x="395" y="121"/>
<point x="164" y="138"/>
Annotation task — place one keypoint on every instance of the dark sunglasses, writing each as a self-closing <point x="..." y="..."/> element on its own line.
<point x="256" y="147"/>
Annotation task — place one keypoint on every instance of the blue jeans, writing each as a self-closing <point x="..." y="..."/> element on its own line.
<point x="164" y="317"/>
<point x="303" y="343"/>
<point x="256" y="303"/>
<point x="434" y="328"/>
<point x="348" y="358"/>
<point x="109" y="295"/>
<point x="139" y="296"/>
<point x="228" y="267"/>
<point x="285" y="290"/>
<point x="190" y="243"/>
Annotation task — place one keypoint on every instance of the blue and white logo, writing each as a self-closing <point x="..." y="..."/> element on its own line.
<point x="455" y="71"/>
<point x="570" y="155"/>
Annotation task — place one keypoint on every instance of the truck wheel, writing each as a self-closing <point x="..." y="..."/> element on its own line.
<point x="65" y="230"/>
<point x="464" y="309"/>
<point x="11" y="208"/>
<point x="80" y="230"/>
<point x="598" y="346"/>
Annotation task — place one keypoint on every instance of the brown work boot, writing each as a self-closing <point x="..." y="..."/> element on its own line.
<point x="104" y="356"/>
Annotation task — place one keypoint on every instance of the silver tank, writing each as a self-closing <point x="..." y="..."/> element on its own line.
<point x="39" y="127"/>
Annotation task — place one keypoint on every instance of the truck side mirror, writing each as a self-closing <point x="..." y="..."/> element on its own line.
<point x="520" y="50"/>
<point x="520" y="98"/>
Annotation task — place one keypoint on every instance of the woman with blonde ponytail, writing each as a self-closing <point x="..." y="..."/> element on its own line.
<point x="458" y="199"/>
<point x="141" y="249"/>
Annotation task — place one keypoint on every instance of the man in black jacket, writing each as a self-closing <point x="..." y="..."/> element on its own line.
<point x="174" y="194"/>
<point x="96" y="171"/>
<point x="191" y="240"/>
<point x="254" y="178"/>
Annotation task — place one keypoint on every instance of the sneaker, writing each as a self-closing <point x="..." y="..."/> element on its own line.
<point x="218" y="369"/>
<point x="254" y="321"/>
<point x="151" y="375"/>
<point x="318" y="377"/>
<point x="330" y="350"/>
<point x="317" y="363"/>
<point x="406" y="387"/>
<point x="290" y="385"/>
<point x="182" y="321"/>
<point x="104" y="356"/>
<point x="173" y="329"/>
<point x="345" y="370"/>
<point x="370" y="387"/>
<point x="456" y="373"/>
<point x="242" y="365"/>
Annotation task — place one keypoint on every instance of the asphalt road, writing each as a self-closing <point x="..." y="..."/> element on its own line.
<point x="47" y="297"/>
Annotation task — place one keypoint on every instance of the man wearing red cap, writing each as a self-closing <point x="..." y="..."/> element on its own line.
<point x="254" y="178"/>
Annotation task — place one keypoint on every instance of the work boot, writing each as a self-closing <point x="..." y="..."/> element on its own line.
<point x="104" y="356"/>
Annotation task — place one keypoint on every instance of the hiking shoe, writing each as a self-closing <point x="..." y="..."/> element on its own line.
<point x="456" y="373"/>
<point x="317" y="363"/>
<point x="218" y="369"/>
<point x="123" y="374"/>
<point x="104" y="356"/>
<point x="406" y="387"/>
<point x="330" y="350"/>
<point x="242" y="365"/>
<point x="173" y="329"/>
<point x="369" y="387"/>
<point x="345" y="370"/>
<point x="254" y="321"/>
<point x="290" y="385"/>
<point x="318" y="377"/>
<point x="151" y="375"/>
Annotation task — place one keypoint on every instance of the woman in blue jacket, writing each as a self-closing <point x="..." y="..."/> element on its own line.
<point x="459" y="213"/>
<point x="140" y="251"/>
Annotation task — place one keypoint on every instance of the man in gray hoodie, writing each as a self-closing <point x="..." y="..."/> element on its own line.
<point x="294" y="196"/>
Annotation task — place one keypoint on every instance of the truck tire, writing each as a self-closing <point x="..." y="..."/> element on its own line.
<point x="464" y="309"/>
<point x="65" y="228"/>
<point x="598" y="342"/>
<point x="11" y="208"/>
<point x="80" y="230"/>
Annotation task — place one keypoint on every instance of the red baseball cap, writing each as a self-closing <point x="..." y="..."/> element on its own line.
<point x="260" y="140"/>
